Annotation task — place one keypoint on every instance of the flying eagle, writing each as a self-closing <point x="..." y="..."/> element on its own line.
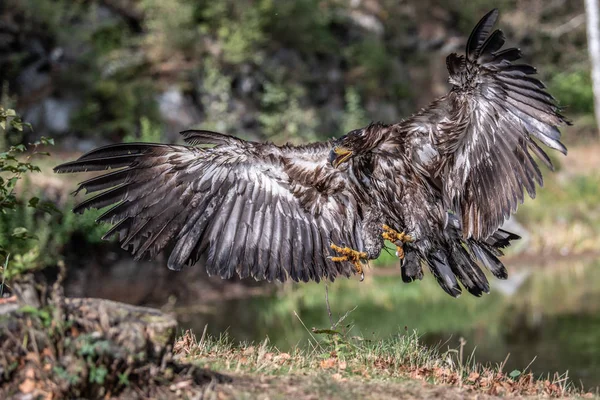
<point x="438" y="185"/>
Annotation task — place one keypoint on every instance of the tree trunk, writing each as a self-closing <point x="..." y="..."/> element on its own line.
<point x="593" y="37"/>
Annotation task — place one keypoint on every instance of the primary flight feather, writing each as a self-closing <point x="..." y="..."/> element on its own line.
<point x="438" y="185"/>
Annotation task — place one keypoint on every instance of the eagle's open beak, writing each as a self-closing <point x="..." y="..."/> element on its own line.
<point x="339" y="155"/>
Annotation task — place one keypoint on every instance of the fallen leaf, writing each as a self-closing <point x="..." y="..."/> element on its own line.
<point x="337" y="376"/>
<point x="30" y="373"/>
<point x="282" y="357"/>
<point x="328" y="363"/>
<point x="473" y="377"/>
<point x="27" y="386"/>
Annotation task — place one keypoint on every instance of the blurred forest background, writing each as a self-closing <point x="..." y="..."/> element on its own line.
<point x="93" y="72"/>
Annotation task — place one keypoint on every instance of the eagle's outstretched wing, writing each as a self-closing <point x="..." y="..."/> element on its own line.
<point x="253" y="209"/>
<point x="494" y="111"/>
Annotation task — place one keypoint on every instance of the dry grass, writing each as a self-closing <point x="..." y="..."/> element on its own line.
<point x="349" y="365"/>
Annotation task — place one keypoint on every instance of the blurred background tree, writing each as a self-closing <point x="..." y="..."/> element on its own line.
<point x="92" y="70"/>
<point x="593" y="36"/>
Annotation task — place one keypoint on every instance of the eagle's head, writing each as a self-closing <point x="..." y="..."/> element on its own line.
<point x="356" y="143"/>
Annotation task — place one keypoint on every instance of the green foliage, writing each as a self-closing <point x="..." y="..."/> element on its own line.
<point x="53" y="16"/>
<point x="33" y="232"/>
<point x="123" y="378"/>
<point x="116" y="104"/>
<point x="92" y="349"/>
<point x="283" y="118"/>
<point x="14" y="165"/>
<point x="131" y="52"/>
<point x="110" y="74"/>
<point x="371" y="57"/>
<point x="304" y="25"/>
<point x="44" y="314"/>
<point x="215" y="97"/>
<point x="149" y="132"/>
<point x="242" y="39"/>
<point x="573" y="200"/>
<point x="354" y="115"/>
<point x="64" y="375"/>
<point x="52" y="231"/>
<point x="170" y="27"/>
<point x="574" y="91"/>
<point x="9" y="118"/>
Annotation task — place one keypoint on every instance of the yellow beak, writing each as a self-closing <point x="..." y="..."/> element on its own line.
<point x="339" y="155"/>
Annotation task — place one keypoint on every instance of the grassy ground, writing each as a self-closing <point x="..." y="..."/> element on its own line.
<point x="340" y="367"/>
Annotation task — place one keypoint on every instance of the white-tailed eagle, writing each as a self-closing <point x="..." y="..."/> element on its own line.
<point x="438" y="185"/>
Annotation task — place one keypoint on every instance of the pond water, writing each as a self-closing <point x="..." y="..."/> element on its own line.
<point x="549" y="315"/>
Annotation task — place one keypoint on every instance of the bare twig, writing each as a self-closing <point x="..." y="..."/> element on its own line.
<point x="503" y="363"/>
<point x="4" y="275"/>
<point x="328" y="306"/>
<point x="307" y="330"/>
<point x="529" y="365"/>
<point x="201" y="343"/>
<point x="343" y="317"/>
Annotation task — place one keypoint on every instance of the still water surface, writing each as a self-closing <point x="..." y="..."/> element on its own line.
<point x="550" y="314"/>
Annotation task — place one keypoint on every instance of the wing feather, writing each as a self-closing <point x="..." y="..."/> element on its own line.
<point x="485" y="140"/>
<point x="231" y="205"/>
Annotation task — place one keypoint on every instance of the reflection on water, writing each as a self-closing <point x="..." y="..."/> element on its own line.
<point x="552" y="315"/>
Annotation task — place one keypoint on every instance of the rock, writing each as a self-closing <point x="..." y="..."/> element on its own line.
<point x="177" y="111"/>
<point x="88" y="348"/>
<point x="52" y="116"/>
<point x="136" y="328"/>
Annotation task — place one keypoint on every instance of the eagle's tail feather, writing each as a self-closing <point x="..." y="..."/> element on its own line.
<point x="440" y="267"/>
<point x="410" y="266"/>
<point x="461" y="261"/>
<point x="468" y="272"/>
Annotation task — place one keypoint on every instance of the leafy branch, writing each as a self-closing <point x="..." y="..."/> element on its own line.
<point x="13" y="167"/>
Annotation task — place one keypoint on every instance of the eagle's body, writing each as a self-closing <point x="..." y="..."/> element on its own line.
<point x="447" y="178"/>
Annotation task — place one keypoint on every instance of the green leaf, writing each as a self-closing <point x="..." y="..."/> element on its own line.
<point x="22" y="233"/>
<point x="47" y="141"/>
<point x="48" y="207"/>
<point x="33" y="202"/>
<point x="17" y="125"/>
<point x="515" y="374"/>
<point x="12" y="182"/>
<point x="19" y="232"/>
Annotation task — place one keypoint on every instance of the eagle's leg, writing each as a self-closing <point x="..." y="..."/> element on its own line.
<point x="353" y="256"/>
<point x="398" y="238"/>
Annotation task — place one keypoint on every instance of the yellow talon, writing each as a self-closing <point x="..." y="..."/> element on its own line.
<point x="353" y="256"/>
<point x="396" y="237"/>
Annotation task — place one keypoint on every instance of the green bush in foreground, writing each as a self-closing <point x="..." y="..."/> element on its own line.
<point x="13" y="168"/>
